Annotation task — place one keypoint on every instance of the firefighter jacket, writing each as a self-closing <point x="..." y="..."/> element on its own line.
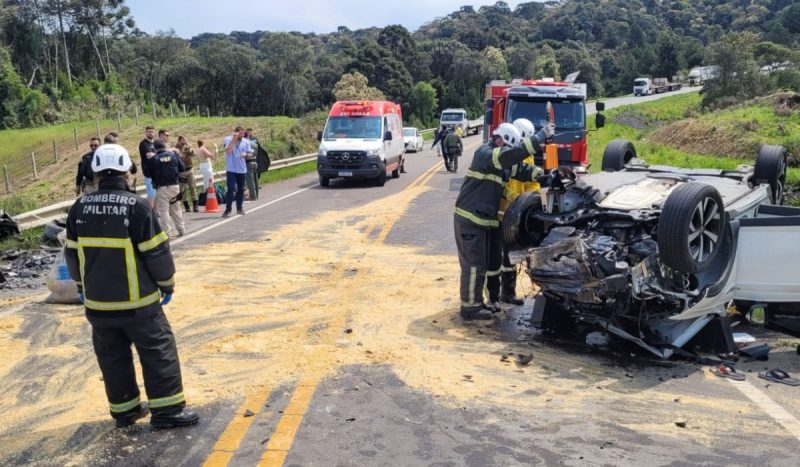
<point x="117" y="252"/>
<point x="479" y="199"/>
<point x="453" y="144"/>
<point x="517" y="183"/>
<point x="163" y="168"/>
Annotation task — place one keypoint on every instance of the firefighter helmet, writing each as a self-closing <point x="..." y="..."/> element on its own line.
<point x="509" y="133"/>
<point x="111" y="157"/>
<point x="525" y="127"/>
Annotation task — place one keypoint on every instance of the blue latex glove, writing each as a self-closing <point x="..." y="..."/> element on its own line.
<point x="166" y="298"/>
<point x="80" y="296"/>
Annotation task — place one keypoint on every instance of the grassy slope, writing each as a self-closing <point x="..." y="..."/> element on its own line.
<point x="673" y="112"/>
<point x="281" y="135"/>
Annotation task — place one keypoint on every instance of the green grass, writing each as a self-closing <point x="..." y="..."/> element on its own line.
<point x="285" y="173"/>
<point x="672" y="109"/>
<point x="27" y="240"/>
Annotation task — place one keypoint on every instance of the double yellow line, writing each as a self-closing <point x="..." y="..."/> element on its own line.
<point x="285" y="431"/>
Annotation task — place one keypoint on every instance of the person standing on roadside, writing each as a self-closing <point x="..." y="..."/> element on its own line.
<point x="236" y="150"/>
<point x="188" y="187"/>
<point x="164" y="168"/>
<point x="206" y="164"/>
<point x="85" y="181"/>
<point x="146" y="151"/>
<point x="120" y="258"/>
<point x="438" y="138"/>
<point x="475" y="220"/>
<point x="252" y="165"/>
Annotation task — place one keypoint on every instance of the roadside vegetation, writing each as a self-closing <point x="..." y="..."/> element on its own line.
<point x="677" y="131"/>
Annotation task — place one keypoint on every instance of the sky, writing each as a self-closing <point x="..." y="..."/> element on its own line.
<point x="191" y="17"/>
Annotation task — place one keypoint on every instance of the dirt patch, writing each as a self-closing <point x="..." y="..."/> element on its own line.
<point x="698" y="137"/>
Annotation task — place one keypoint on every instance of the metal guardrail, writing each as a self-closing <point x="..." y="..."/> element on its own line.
<point x="46" y="214"/>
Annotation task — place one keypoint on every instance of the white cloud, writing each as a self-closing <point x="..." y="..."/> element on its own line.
<point x="192" y="17"/>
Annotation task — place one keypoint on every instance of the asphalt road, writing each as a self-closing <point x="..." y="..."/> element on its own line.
<point x="321" y="329"/>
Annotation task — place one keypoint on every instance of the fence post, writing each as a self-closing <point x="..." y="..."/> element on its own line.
<point x="97" y="126"/>
<point x="136" y="113"/>
<point x="33" y="162"/>
<point x="8" y="182"/>
<point x="208" y="112"/>
<point x="184" y="110"/>
<point x="198" y="110"/>
<point x="75" y="135"/>
<point x="155" y="117"/>
<point x="119" y="122"/>
<point x="171" y="113"/>
<point x="55" y="153"/>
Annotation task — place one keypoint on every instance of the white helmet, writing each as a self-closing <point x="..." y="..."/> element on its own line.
<point x="111" y="157"/>
<point x="509" y="133"/>
<point x="525" y="127"/>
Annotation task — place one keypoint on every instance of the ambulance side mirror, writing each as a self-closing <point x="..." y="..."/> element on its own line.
<point x="319" y="136"/>
<point x="387" y="136"/>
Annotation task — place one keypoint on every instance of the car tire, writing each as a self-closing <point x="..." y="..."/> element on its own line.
<point x="324" y="181"/>
<point x="618" y="152"/>
<point x="381" y="179"/>
<point x="518" y="232"/>
<point x="396" y="172"/>
<point x="770" y="168"/>
<point x="691" y="226"/>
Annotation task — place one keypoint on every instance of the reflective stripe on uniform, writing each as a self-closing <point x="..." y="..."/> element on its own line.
<point x="477" y="220"/>
<point x="125" y="406"/>
<point x="473" y="273"/>
<point x="158" y="239"/>
<point x="129" y="305"/>
<point x="493" y="273"/>
<point x="167" y="283"/>
<point x="130" y="264"/>
<point x="167" y="401"/>
<point x="508" y="269"/>
<point x="528" y="145"/>
<point x="72" y="244"/>
<point x="483" y="176"/>
<point x="496" y="159"/>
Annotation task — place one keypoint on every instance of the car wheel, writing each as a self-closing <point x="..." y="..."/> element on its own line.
<point x="690" y="229"/>
<point x="324" y="181"/>
<point x="618" y="153"/>
<point x="520" y="229"/>
<point x="771" y="169"/>
<point x="381" y="179"/>
<point x="396" y="172"/>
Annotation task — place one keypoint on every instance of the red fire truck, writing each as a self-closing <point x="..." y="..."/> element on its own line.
<point x="507" y="101"/>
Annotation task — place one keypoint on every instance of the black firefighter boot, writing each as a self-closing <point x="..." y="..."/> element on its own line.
<point x="194" y="206"/>
<point x="174" y="418"/>
<point x="509" y="292"/>
<point x="186" y="206"/>
<point x="130" y="418"/>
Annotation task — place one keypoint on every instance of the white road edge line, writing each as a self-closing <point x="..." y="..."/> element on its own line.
<point x="236" y="217"/>
<point x="778" y="413"/>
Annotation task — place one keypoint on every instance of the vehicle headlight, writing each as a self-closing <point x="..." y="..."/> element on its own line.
<point x="322" y="153"/>
<point x="373" y="152"/>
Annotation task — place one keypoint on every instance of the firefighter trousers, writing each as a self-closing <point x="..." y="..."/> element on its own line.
<point x="502" y="277"/>
<point x="473" y="244"/>
<point x="149" y="331"/>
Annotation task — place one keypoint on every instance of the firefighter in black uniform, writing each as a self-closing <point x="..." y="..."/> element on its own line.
<point x="121" y="260"/>
<point x="475" y="222"/>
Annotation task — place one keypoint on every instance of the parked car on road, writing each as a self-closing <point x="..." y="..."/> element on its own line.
<point x="412" y="139"/>
<point x="653" y="254"/>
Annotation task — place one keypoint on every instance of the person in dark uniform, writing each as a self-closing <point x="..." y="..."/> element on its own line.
<point x="120" y="258"/>
<point x="475" y="220"/>
<point x="84" y="180"/>
<point x="453" y="149"/>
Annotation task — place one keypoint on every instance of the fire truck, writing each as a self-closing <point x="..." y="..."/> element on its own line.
<point x="507" y="101"/>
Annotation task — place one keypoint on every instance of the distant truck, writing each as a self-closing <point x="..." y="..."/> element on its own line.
<point x="644" y="86"/>
<point x="452" y="118"/>
<point x="701" y="74"/>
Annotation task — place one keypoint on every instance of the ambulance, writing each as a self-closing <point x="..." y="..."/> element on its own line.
<point x="362" y="140"/>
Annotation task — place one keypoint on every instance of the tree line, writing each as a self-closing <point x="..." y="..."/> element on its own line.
<point x="65" y="59"/>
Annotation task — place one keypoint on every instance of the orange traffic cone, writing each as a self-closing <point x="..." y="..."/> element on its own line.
<point x="211" y="198"/>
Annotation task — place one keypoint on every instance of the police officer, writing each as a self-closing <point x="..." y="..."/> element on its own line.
<point x="84" y="180"/>
<point x="441" y="133"/>
<point x="121" y="260"/>
<point x="164" y="169"/>
<point x="453" y="145"/>
<point x="475" y="220"/>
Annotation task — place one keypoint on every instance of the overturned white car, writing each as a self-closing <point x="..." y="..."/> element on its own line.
<point x="653" y="254"/>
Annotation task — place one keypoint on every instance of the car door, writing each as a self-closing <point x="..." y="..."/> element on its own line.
<point x="768" y="255"/>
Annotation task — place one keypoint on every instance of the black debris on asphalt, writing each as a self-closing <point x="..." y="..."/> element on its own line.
<point x="26" y="269"/>
<point x="248" y="413"/>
